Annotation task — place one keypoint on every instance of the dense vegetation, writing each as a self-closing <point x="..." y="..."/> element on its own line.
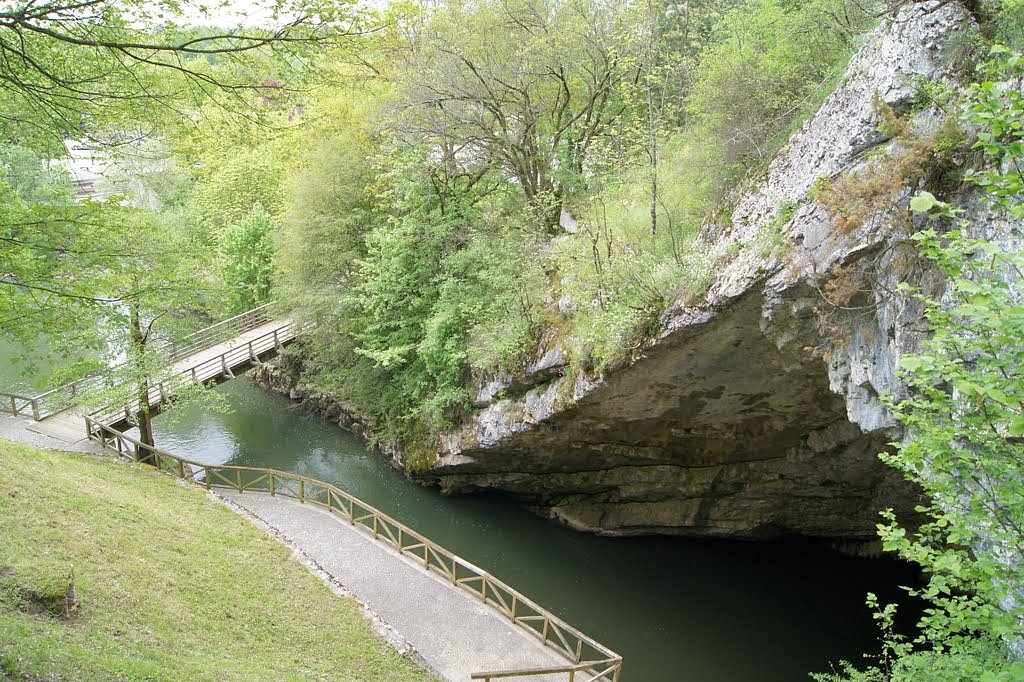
<point x="201" y="595"/>
<point x="443" y="191"/>
<point x="436" y="193"/>
<point x="497" y="171"/>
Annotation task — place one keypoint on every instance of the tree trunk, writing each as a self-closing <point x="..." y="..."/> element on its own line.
<point x="144" y="415"/>
<point x="652" y="120"/>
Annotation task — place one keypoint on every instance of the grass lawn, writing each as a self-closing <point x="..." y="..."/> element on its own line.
<point x="169" y="585"/>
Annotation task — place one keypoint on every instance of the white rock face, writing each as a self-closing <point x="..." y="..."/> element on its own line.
<point x="743" y="418"/>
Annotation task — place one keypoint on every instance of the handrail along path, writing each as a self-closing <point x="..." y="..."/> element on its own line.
<point x="588" y="660"/>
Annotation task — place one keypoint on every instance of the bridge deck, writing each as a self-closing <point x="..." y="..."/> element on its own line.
<point x="69" y="426"/>
<point x="453" y="631"/>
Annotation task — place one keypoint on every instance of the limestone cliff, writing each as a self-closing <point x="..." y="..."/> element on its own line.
<point x="757" y="411"/>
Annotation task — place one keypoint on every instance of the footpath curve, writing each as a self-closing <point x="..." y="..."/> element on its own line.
<point x="463" y="622"/>
<point x="453" y="633"/>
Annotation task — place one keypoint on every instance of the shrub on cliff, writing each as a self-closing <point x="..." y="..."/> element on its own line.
<point x="965" y="426"/>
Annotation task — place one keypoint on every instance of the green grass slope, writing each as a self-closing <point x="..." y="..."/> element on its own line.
<point x="169" y="585"/>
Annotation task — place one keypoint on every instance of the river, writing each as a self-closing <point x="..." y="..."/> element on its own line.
<point x="675" y="609"/>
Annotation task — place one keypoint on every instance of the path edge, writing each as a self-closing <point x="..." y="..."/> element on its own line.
<point x="384" y="629"/>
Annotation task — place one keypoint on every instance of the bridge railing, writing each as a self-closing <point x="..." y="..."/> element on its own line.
<point x="588" y="659"/>
<point x="221" y="331"/>
<point x="220" y="365"/>
<point x="593" y="671"/>
<point x="18" y="404"/>
<point x="56" y="399"/>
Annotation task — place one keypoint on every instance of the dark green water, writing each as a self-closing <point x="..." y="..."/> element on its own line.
<point x="676" y="610"/>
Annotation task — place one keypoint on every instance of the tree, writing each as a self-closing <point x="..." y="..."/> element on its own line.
<point x="124" y="276"/>
<point x="86" y="65"/>
<point x="248" y="260"/>
<point x="87" y="69"/>
<point x="522" y="89"/>
<point x="104" y="274"/>
<point x="768" y="62"/>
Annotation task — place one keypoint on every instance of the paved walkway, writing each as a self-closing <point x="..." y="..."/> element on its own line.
<point x="453" y="632"/>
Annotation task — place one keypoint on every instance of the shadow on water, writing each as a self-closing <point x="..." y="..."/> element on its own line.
<point x="707" y="611"/>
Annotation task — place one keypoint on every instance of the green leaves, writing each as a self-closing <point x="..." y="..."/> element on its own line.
<point x="923" y="202"/>
<point x="997" y="108"/>
<point x="965" y="418"/>
<point x="1016" y="427"/>
<point x="767" y="56"/>
<point x="247" y="251"/>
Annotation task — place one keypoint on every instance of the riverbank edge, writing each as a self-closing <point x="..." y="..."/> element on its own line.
<point x="281" y="376"/>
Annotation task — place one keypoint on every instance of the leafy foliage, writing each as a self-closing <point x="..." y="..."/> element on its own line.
<point x="998" y="109"/>
<point x="436" y="289"/>
<point x="248" y="252"/>
<point x="510" y="91"/>
<point x="760" y="66"/>
<point x="110" y="275"/>
<point x="120" y="65"/>
<point x="965" y="421"/>
<point x="768" y="61"/>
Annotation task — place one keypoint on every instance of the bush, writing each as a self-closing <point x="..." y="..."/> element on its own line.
<point x="247" y="250"/>
<point x="965" y="425"/>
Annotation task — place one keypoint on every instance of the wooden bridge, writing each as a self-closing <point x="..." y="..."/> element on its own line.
<point x="210" y="354"/>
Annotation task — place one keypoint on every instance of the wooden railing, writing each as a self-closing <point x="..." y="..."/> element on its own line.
<point x="215" y="333"/>
<point x="589" y="660"/>
<point x="17" y="404"/>
<point x="215" y="367"/>
<point x="56" y="399"/>
<point x="592" y="671"/>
